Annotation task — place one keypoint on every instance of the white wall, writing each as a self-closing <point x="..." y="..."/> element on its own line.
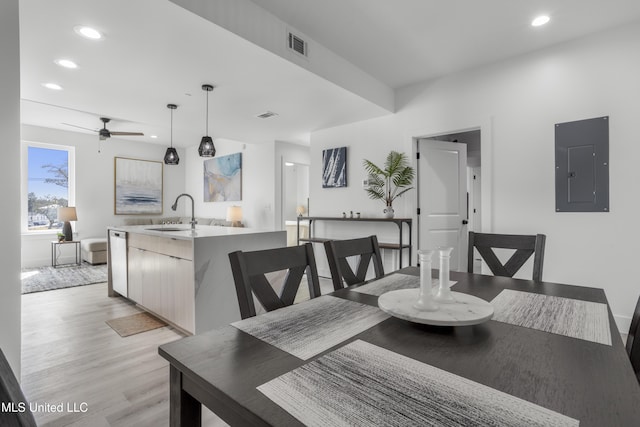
<point x="516" y="104"/>
<point x="371" y="140"/>
<point x="258" y="178"/>
<point x="10" y="172"/>
<point x="253" y="23"/>
<point x="95" y="186"/>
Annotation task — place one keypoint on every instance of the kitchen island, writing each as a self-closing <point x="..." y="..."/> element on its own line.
<point x="182" y="275"/>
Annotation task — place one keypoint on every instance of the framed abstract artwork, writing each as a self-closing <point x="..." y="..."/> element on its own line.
<point x="334" y="167"/>
<point x="223" y="178"/>
<point x="137" y="187"/>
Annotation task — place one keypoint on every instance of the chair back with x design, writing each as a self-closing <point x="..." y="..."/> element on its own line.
<point x="11" y="394"/>
<point x="525" y="246"/>
<point x="249" y="269"/>
<point x="339" y="250"/>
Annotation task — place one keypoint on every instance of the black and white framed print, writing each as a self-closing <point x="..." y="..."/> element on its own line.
<point x="334" y="167"/>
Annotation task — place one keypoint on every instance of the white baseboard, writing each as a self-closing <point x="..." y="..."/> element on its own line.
<point x="324" y="272"/>
<point x="623" y="323"/>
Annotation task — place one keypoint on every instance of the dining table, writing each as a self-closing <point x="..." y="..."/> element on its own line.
<point x="550" y="355"/>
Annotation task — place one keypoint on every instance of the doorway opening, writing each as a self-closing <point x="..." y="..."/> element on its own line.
<point x="449" y="175"/>
<point x="295" y="198"/>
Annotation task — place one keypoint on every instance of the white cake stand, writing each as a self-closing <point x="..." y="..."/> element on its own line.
<point x="467" y="310"/>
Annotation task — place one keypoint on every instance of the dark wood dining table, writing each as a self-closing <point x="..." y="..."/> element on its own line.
<point x="584" y="380"/>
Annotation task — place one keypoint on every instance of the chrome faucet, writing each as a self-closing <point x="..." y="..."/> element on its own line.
<point x="193" y="218"/>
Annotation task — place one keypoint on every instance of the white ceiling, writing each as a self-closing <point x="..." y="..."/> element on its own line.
<point x="401" y="42"/>
<point x="155" y="53"/>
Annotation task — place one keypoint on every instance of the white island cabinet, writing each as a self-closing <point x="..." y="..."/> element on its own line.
<point x="184" y="276"/>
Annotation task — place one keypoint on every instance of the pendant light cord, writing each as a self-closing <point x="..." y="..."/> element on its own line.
<point x="207" y="118"/>
<point x="171" y="127"/>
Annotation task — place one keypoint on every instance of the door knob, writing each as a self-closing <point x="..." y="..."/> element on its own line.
<point x="465" y="222"/>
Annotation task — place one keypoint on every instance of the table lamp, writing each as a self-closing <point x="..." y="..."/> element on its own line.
<point x="66" y="215"/>
<point x="234" y="214"/>
<point x="300" y="210"/>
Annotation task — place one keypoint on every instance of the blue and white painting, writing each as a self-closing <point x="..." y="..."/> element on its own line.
<point x="138" y="187"/>
<point x="334" y="167"/>
<point x="223" y="178"/>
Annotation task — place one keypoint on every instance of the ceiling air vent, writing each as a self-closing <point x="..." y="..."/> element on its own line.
<point x="266" y="115"/>
<point x="297" y="44"/>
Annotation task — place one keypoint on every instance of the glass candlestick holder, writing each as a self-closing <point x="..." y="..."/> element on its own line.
<point x="443" y="295"/>
<point x="425" y="297"/>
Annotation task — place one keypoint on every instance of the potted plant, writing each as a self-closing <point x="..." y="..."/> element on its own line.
<point x="391" y="181"/>
<point x="60" y="237"/>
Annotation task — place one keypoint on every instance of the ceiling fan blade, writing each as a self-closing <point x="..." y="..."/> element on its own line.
<point x="80" y="127"/>
<point x="126" y="133"/>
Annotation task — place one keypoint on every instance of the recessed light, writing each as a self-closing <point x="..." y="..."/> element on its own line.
<point x="154" y="136"/>
<point x="87" y="32"/>
<point x="288" y="164"/>
<point x="540" y="20"/>
<point x="66" y="63"/>
<point x="52" y="86"/>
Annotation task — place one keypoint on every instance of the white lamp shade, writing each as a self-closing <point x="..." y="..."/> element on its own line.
<point x="300" y="210"/>
<point x="234" y="213"/>
<point x="67" y="214"/>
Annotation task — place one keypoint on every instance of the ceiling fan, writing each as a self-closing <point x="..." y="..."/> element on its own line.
<point x="105" y="133"/>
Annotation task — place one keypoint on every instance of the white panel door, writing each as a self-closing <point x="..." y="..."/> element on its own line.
<point x="442" y="186"/>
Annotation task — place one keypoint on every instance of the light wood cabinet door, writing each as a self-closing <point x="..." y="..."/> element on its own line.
<point x="151" y="274"/>
<point x="135" y="262"/>
<point x="183" y="294"/>
<point x="162" y="283"/>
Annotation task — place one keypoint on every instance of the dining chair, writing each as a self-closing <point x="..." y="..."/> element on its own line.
<point x="524" y="245"/>
<point x="339" y="250"/>
<point x="633" y="345"/>
<point x="16" y="412"/>
<point x="249" y="269"/>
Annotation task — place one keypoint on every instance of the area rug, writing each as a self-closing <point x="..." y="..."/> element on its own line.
<point x="135" y="324"/>
<point x="49" y="278"/>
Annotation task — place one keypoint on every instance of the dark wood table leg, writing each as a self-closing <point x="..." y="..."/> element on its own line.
<point x="410" y="243"/>
<point x="184" y="410"/>
<point x="399" y="224"/>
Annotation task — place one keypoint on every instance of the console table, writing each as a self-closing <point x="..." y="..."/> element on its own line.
<point x="400" y="246"/>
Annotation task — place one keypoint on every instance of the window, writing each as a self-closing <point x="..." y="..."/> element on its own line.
<point x="49" y="185"/>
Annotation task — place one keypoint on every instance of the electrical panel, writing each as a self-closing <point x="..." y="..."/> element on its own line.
<point x="582" y="165"/>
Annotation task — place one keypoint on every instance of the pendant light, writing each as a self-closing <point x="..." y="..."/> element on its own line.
<point x="206" y="148"/>
<point x="171" y="156"/>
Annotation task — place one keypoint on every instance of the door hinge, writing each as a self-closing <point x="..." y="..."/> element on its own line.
<point x="418" y="156"/>
<point x="418" y="211"/>
<point x="474" y="177"/>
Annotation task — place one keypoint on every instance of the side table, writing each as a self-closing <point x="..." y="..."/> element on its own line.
<point x="55" y="247"/>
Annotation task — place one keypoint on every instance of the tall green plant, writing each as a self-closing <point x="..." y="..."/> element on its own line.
<point x="390" y="182"/>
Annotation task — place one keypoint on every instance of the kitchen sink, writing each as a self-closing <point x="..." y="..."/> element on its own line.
<point x="167" y="229"/>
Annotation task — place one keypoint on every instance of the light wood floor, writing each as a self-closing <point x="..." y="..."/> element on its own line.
<point x="70" y="355"/>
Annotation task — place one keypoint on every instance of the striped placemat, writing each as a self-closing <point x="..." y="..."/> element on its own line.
<point x="563" y="316"/>
<point x="361" y="384"/>
<point x="311" y="327"/>
<point x="393" y="282"/>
